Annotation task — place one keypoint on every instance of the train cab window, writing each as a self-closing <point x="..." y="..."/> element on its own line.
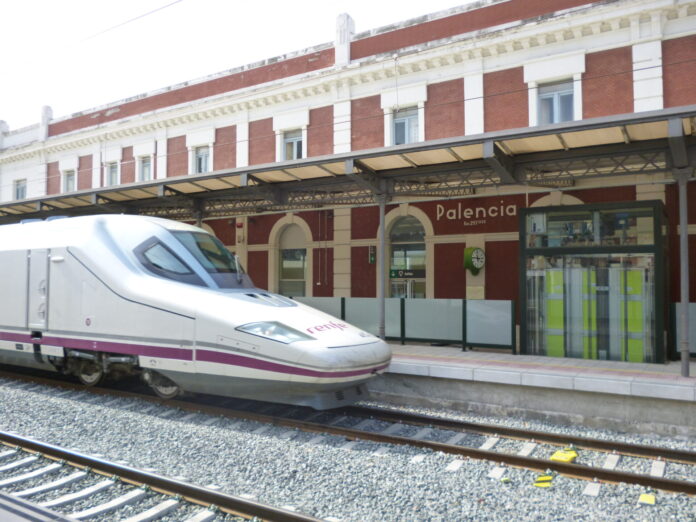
<point x="213" y="256"/>
<point x="161" y="261"/>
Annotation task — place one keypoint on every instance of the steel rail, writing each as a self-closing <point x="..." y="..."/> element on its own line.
<point x="569" y="469"/>
<point x="195" y="494"/>
<point x="625" y="448"/>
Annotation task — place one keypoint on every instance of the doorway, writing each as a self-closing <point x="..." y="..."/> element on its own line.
<point x="407" y="259"/>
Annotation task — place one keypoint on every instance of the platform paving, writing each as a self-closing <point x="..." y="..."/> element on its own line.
<point x="660" y="381"/>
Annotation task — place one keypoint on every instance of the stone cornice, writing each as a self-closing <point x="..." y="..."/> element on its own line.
<point x="473" y="47"/>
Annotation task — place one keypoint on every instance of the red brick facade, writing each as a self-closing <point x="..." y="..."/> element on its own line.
<point x="262" y="142"/>
<point x="679" y="71"/>
<point x="506" y="102"/>
<point x="84" y="172"/>
<point x="255" y="76"/>
<point x="367" y="123"/>
<point x="177" y="157"/>
<point x="52" y="178"/>
<point x="461" y="23"/>
<point x="444" y="110"/>
<point x="607" y="85"/>
<point x="127" y="165"/>
<point x="320" y="132"/>
<point x="225" y="148"/>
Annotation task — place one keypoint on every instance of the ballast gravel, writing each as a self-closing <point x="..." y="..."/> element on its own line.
<point x="319" y="476"/>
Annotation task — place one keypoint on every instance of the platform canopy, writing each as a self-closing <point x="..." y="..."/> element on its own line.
<point x="552" y="156"/>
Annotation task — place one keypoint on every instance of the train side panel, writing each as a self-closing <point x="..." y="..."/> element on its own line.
<point x="13" y="310"/>
<point x="86" y="314"/>
<point x="13" y="289"/>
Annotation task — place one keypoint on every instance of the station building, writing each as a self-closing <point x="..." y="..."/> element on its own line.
<point x="589" y="249"/>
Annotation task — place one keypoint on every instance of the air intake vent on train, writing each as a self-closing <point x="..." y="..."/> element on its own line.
<point x="269" y="299"/>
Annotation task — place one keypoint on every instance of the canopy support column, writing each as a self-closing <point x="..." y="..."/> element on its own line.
<point x="381" y="266"/>
<point x="682" y="176"/>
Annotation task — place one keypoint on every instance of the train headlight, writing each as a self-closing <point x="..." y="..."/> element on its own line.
<point x="274" y="331"/>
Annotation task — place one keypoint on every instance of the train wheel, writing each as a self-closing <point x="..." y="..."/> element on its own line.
<point x="90" y="373"/>
<point x="165" y="388"/>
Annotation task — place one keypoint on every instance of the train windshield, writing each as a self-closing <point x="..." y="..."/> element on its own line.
<point x="213" y="256"/>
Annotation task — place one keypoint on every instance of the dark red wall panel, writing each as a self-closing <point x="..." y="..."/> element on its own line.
<point x="260" y="228"/>
<point x="363" y="273"/>
<point x="257" y="268"/>
<point x="322" y="279"/>
<point x="450" y="276"/>
<point x="224" y="230"/>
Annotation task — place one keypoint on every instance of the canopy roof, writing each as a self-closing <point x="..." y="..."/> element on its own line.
<point x="544" y="156"/>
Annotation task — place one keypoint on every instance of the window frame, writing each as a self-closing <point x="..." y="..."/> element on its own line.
<point x="295" y="139"/>
<point x="107" y="174"/>
<point x="555" y="97"/>
<point x="410" y="118"/>
<point x="190" y="278"/>
<point x="68" y="174"/>
<point x="197" y="157"/>
<point x="141" y="160"/>
<point x="19" y="184"/>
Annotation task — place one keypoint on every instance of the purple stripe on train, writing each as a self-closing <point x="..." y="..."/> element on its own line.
<point x="182" y="354"/>
<point x="185" y="354"/>
<point x="248" y="362"/>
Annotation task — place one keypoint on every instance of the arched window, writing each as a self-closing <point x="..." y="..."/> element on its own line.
<point x="407" y="260"/>
<point x="293" y="262"/>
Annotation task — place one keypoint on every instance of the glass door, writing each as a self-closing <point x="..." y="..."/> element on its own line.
<point x="596" y="306"/>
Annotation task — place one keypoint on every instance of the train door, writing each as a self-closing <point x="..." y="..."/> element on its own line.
<point x="37" y="296"/>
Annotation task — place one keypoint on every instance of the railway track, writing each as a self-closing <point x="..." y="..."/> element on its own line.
<point x="596" y="460"/>
<point x="79" y="486"/>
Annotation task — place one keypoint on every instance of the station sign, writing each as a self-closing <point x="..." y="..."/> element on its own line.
<point x="406" y="274"/>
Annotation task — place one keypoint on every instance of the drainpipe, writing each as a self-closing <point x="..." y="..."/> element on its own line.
<point x="683" y="176"/>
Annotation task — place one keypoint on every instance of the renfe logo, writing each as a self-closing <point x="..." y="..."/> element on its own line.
<point x="328" y="326"/>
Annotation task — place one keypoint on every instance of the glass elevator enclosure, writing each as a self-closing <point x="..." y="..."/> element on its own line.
<point x="593" y="281"/>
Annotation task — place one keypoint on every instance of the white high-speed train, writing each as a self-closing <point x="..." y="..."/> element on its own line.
<point x="114" y="295"/>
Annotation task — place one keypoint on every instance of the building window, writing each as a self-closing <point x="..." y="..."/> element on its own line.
<point x="406" y="126"/>
<point x="292" y="145"/>
<point x="68" y="181"/>
<point x="556" y="102"/>
<point x="20" y="189"/>
<point x="201" y="160"/>
<point x="111" y="174"/>
<point x="145" y="168"/>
